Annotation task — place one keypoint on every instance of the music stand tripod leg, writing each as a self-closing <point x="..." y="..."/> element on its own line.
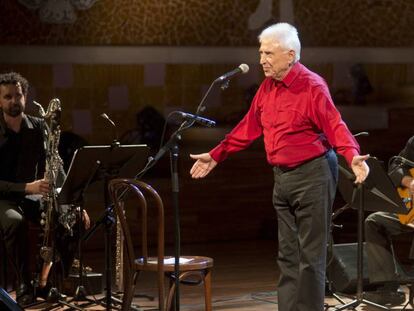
<point x="80" y="292"/>
<point x="360" y="295"/>
<point x="330" y="252"/>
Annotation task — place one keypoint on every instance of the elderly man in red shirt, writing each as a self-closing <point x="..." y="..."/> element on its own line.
<point x="301" y="127"/>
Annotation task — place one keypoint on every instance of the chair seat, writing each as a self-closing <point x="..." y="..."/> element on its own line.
<point x="187" y="263"/>
<point x="193" y="270"/>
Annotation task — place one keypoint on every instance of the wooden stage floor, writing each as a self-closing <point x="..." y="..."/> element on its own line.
<point x="244" y="279"/>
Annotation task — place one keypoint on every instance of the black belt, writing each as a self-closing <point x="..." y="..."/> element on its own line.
<point x="285" y="169"/>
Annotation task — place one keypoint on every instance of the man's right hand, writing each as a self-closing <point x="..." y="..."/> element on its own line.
<point x="204" y="165"/>
<point x="40" y="186"/>
<point x="408" y="182"/>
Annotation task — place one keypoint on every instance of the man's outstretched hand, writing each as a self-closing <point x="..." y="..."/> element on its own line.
<point x="203" y="165"/>
<point x="360" y="168"/>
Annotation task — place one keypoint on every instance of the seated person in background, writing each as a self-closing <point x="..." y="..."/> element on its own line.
<point x="69" y="142"/>
<point x="148" y="130"/>
<point x="380" y="227"/>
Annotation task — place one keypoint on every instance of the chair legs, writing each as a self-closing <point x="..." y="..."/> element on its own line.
<point x="129" y="289"/>
<point x="207" y="290"/>
<point x="205" y="277"/>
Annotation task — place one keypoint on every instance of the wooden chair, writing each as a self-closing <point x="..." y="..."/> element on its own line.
<point x="197" y="266"/>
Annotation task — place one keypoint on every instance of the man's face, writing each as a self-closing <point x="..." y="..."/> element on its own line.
<point x="276" y="61"/>
<point x="12" y="100"/>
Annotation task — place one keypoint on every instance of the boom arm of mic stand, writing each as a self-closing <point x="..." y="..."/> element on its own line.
<point x="168" y="146"/>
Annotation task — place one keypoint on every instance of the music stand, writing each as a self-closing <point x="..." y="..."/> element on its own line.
<point x="96" y="163"/>
<point x="377" y="193"/>
<point x="119" y="160"/>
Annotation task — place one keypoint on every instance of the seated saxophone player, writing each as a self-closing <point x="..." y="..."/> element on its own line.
<point x="380" y="227"/>
<point x="22" y="167"/>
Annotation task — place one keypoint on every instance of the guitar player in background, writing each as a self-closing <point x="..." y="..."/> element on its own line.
<point x="380" y="227"/>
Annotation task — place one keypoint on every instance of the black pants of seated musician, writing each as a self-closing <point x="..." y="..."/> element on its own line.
<point x="303" y="199"/>
<point x="14" y="217"/>
<point x="380" y="227"/>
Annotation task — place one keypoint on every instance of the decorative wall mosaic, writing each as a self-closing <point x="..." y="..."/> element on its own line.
<point x="209" y="22"/>
<point x="356" y="23"/>
<point x="124" y="22"/>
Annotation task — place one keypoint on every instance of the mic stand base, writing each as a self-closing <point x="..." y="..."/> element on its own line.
<point x="80" y="296"/>
<point x="55" y="298"/>
<point x="357" y="302"/>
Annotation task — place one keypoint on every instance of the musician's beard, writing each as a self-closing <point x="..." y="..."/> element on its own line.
<point x="14" y="110"/>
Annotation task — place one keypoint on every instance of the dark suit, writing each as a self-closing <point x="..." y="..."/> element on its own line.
<point x="22" y="160"/>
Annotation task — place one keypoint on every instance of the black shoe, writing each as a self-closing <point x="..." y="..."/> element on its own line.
<point x="24" y="295"/>
<point x="43" y="292"/>
<point x="384" y="297"/>
<point x="53" y="295"/>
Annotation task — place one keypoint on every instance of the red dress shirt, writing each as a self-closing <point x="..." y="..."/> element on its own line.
<point x="297" y="118"/>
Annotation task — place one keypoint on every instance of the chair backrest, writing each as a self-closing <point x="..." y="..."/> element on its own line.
<point x="146" y="196"/>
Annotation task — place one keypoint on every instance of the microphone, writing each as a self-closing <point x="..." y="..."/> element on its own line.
<point x="198" y="119"/>
<point x="242" y="69"/>
<point x="404" y="161"/>
<point x="115" y="134"/>
<point x="361" y="134"/>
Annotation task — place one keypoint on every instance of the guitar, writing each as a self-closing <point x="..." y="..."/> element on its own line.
<point x="408" y="200"/>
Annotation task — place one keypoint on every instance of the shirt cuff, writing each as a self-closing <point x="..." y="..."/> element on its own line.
<point x="219" y="154"/>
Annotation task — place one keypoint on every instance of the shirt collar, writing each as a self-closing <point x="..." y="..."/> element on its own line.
<point x="26" y="123"/>
<point x="292" y="74"/>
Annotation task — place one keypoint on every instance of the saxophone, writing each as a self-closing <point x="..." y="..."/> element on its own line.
<point x="119" y="257"/>
<point x="54" y="166"/>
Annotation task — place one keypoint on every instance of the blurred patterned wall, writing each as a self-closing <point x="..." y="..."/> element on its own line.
<point x="375" y="23"/>
<point x="121" y="90"/>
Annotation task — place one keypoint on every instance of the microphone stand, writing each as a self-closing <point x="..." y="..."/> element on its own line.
<point x="172" y="146"/>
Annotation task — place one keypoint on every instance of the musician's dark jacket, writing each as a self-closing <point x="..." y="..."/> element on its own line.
<point x="23" y="160"/>
<point x="398" y="170"/>
<point x="22" y="156"/>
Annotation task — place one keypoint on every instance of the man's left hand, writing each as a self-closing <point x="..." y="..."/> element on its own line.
<point x="360" y="168"/>
<point x="86" y="220"/>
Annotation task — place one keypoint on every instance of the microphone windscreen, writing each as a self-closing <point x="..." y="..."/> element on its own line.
<point x="244" y="68"/>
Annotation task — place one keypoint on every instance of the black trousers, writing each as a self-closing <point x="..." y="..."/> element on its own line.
<point x="13" y="224"/>
<point x="380" y="227"/>
<point x="303" y="199"/>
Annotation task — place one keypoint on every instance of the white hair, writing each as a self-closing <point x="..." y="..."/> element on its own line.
<point x="285" y="34"/>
